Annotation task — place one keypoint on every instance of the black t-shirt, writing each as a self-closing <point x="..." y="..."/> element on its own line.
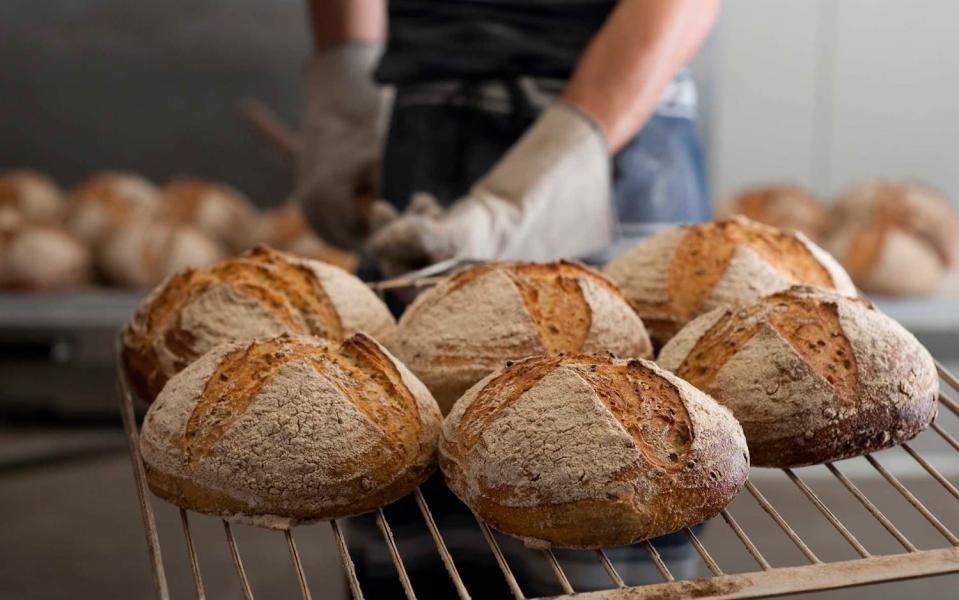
<point x="434" y="40"/>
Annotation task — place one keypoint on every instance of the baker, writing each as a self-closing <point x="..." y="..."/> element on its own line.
<point x="525" y="129"/>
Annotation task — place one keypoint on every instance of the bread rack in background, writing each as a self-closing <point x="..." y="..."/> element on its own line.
<point x="765" y="580"/>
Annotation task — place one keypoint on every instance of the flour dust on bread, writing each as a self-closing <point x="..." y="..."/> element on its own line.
<point x="590" y="451"/>
<point x="42" y="258"/>
<point x="36" y="197"/>
<point x="813" y="376"/>
<point x="458" y="332"/>
<point x="218" y="210"/>
<point x="895" y="238"/>
<point x="107" y="201"/>
<point x="685" y="271"/>
<point x="263" y="293"/>
<point x="288" y="430"/>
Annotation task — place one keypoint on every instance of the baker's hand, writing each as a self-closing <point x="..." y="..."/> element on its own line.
<point x="343" y="130"/>
<point x="548" y="197"/>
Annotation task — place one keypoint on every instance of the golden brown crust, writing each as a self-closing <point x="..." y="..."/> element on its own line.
<point x="199" y="457"/>
<point x="513" y="310"/>
<point x="730" y="261"/>
<point x="800" y="369"/>
<point x="786" y="206"/>
<point x="286" y="291"/>
<point x="590" y="451"/>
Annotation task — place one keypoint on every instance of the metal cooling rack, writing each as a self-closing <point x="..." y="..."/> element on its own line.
<point x="767" y="580"/>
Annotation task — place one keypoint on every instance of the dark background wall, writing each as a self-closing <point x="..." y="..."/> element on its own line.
<point x="151" y="87"/>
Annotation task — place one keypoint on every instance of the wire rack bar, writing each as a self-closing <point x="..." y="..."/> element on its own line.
<point x="947" y="376"/>
<point x="748" y="543"/>
<point x="658" y="561"/>
<point x="191" y="553"/>
<point x="855" y="491"/>
<point x="139" y="477"/>
<point x="501" y="560"/>
<point x="911" y="498"/>
<point x="707" y="558"/>
<point x="826" y="512"/>
<point x="348" y="567"/>
<point x="933" y="471"/>
<point x="774" y="514"/>
<point x="395" y="553"/>
<point x="297" y="565"/>
<point x="558" y="571"/>
<point x="610" y="569"/>
<point x="945" y="435"/>
<point x="237" y="562"/>
<point x="949" y="403"/>
<point x="441" y="546"/>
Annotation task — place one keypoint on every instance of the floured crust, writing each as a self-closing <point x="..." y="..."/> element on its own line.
<point x="589" y="451"/>
<point x="262" y="293"/>
<point x="459" y="331"/>
<point x="290" y="430"/>
<point x="43" y="258"/>
<point x="685" y="271"/>
<point x="812" y="376"/>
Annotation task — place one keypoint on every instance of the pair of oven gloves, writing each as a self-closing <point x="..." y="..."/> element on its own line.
<point x="548" y="197"/>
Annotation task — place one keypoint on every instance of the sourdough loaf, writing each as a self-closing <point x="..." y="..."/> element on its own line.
<point x="145" y="251"/>
<point x="42" y="258"/>
<point x="895" y="238"/>
<point x="456" y="333"/>
<point x="34" y="195"/>
<point x="285" y="228"/>
<point x="291" y="429"/>
<point x="107" y="201"/>
<point x="218" y="210"/>
<point x="785" y="206"/>
<point x="685" y="271"/>
<point x="262" y="293"/>
<point x="588" y="451"/>
<point x="813" y="376"/>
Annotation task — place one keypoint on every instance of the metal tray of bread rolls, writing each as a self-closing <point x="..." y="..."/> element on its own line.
<point x="903" y="554"/>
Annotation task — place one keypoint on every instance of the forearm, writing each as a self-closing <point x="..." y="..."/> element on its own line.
<point x="338" y="21"/>
<point x="625" y="69"/>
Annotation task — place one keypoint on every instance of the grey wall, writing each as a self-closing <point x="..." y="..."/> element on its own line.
<point x="148" y="86"/>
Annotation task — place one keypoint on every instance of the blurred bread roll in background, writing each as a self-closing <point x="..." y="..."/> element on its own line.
<point x="285" y="228"/>
<point x="218" y="210"/>
<point x="895" y="238"/>
<point x="786" y="206"/>
<point x="146" y="251"/>
<point x="34" y="195"/>
<point x="106" y="201"/>
<point x="42" y="258"/>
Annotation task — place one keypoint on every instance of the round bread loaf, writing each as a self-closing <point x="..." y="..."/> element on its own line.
<point x="458" y="332"/>
<point x="43" y="258"/>
<point x="278" y="226"/>
<point x="813" y="376"/>
<point x="288" y="430"/>
<point x="785" y="206"/>
<point x="685" y="271"/>
<point x="218" y="210"/>
<point x="32" y="194"/>
<point x="591" y="451"/>
<point x="263" y="293"/>
<point x="106" y="201"/>
<point x="895" y="238"/>
<point x="309" y="245"/>
<point x="145" y="251"/>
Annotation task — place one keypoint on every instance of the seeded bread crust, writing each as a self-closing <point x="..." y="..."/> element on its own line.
<point x="812" y="376"/>
<point x="290" y="430"/>
<point x="686" y="271"/>
<point x="590" y="451"/>
<point x="263" y="293"/>
<point x="456" y="333"/>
